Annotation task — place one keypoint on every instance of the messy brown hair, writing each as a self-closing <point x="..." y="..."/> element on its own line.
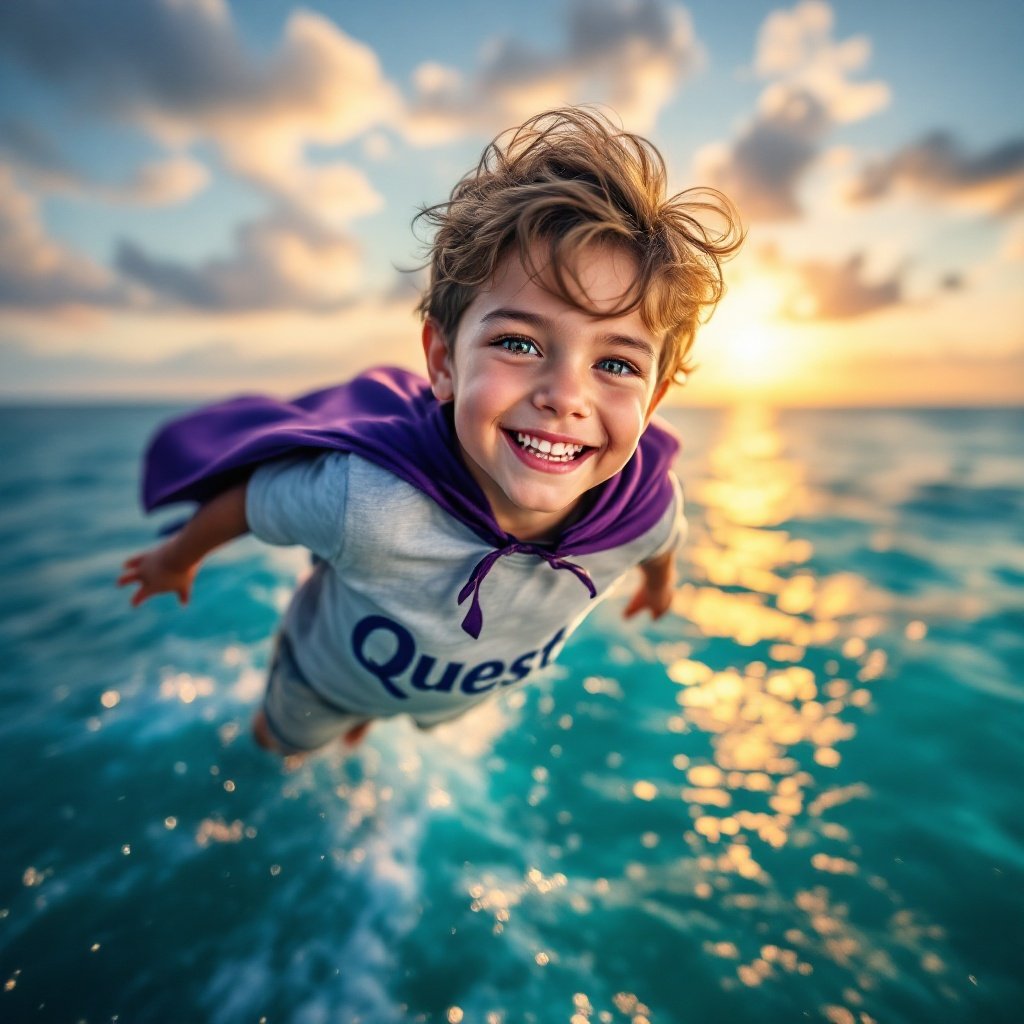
<point x="567" y="179"/>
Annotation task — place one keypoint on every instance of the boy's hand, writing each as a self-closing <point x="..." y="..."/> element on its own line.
<point x="171" y="568"/>
<point x="157" y="573"/>
<point x="656" y="588"/>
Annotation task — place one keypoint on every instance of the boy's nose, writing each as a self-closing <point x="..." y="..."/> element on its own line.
<point x="563" y="391"/>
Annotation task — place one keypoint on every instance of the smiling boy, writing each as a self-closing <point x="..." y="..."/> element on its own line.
<point x="550" y="399"/>
<point x="526" y="475"/>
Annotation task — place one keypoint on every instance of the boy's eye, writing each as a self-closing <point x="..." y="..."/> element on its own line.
<point x="617" y="367"/>
<point x="517" y="345"/>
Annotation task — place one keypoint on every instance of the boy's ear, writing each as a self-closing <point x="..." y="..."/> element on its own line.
<point x="659" y="394"/>
<point x="439" y="364"/>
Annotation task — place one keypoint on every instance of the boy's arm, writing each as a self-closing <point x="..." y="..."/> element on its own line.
<point x="657" y="586"/>
<point x="171" y="567"/>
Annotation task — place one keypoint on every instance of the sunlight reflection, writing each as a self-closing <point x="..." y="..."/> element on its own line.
<point x="185" y="687"/>
<point x="776" y="689"/>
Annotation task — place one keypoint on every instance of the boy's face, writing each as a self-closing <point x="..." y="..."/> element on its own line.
<point x="550" y="401"/>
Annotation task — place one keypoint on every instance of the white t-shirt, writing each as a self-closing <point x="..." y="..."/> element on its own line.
<point x="376" y="628"/>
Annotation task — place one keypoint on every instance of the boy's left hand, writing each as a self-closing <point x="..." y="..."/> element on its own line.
<point x="656" y="588"/>
<point x="656" y="600"/>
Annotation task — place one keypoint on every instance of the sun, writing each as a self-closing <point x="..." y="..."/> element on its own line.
<point x="755" y="355"/>
<point x="747" y="348"/>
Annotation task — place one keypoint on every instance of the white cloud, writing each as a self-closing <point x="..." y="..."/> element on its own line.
<point x="278" y="262"/>
<point x="321" y="87"/>
<point x="377" y="146"/>
<point x="1013" y="243"/>
<point x="159" y="183"/>
<point x="629" y="55"/>
<point x="181" y="71"/>
<point x="35" y="270"/>
<point x="795" y="51"/>
<point x="809" y="92"/>
<point x="331" y="195"/>
<point x="196" y="354"/>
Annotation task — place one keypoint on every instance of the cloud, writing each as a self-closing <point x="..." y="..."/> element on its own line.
<point x="332" y="195"/>
<point x="937" y="167"/>
<point x="175" y="179"/>
<point x="214" y="365"/>
<point x="279" y="262"/>
<point x="218" y="359"/>
<point x="27" y="147"/>
<point x="630" y="55"/>
<point x="1012" y="249"/>
<point x="761" y="170"/>
<point x="158" y="183"/>
<point x="179" y="70"/>
<point x="943" y="377"/>
<point x="809" y="93"/>
<point x="37" y="272"/>
<point x="284" y="354"/>
<point x="795" y="50"/>
<point x="840" y="291"/>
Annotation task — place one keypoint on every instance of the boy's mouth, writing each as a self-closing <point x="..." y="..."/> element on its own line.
<point x="547" y="451"/>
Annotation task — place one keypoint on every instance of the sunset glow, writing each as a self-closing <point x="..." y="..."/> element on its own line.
<point x="240" y="220"/>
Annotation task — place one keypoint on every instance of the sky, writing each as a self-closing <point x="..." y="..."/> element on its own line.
<point x="199" y="199"/>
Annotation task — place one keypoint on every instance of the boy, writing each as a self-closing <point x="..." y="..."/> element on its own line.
<point x="564" y="294"/>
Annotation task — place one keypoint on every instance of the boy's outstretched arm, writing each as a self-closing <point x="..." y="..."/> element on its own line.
<point x="656" y="588"/>
<point x="171" y="567"/>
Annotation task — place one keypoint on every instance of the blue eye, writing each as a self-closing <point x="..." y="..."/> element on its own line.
<point x="517" y="345"/>
<point x="617" y="367"/>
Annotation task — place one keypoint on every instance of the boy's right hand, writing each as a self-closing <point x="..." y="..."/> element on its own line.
<point x="156" y="573"/>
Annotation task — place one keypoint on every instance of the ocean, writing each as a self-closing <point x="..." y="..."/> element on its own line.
<point x="795" y="798"/>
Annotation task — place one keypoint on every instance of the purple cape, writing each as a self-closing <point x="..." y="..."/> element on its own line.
<point x="390" y="417"/>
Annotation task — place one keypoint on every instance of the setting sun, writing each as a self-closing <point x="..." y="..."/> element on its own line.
<point x="747" y="350"/>
<point x="758" y="356"/>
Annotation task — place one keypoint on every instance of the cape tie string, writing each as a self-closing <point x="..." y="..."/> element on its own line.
<point x="474" y="620"/>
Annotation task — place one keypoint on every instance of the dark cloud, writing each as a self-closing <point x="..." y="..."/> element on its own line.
<point x="839" y="291"/>
<point x="764" y="166"/>
<point x="126" y="53"/>
<point x="279" y="262"/>
<point x="30" y="149"/>
<point x="937" y="167"/>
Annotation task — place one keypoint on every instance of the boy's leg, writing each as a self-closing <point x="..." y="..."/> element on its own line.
<point x="261" y="731"/>
<point x="265" y="741"/>
<point x="294" y="720"/>
<point x="355" y="736"/>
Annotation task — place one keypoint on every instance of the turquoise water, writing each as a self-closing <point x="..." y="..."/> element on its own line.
<point x="797" y="798"/>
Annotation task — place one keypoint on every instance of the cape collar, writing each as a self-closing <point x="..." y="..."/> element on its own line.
<point x="389" y="416"/>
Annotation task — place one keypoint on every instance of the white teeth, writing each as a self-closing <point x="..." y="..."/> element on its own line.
<point x="559" y="451"/>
